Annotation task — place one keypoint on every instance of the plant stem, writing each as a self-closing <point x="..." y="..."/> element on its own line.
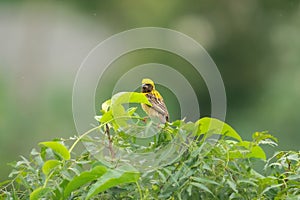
<point x="81" y="136"/>
<point x="112" y="153"/>
<point x="95" y="128"/>
<point x="47" y="179"/>
<point x="139" y="189"/>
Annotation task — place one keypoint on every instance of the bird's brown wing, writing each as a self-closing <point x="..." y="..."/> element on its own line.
<point x="158" y="105"/>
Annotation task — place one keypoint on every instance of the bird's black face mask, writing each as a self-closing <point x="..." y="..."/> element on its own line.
<point x="147" y="88"/>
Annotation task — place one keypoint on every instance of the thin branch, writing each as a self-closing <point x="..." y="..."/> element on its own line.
<point x="110" y="147"/>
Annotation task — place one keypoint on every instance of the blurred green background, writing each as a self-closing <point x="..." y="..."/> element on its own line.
<point x="254" y="43"/>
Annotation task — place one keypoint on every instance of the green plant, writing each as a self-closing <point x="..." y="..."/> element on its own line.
<point x="214" y="162"/>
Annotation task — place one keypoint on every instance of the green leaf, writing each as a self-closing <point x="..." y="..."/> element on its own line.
<point x="105" y="106"/>
<point x="112" y="178"/>
<point x="162" y="176"/>
<point x="98" y="117"/>
<point x="114" y="111"/>
<point x="204" y="180"/>
<point x="294" y="177"/>
<point x="129" y="97"/>
<point x="189" y="127"/>
<point x="49" y="166"/>
<point x="189" y="190"/>
<point x="215" y="126"/>
<point x="248" y="182"/>
<point x="271" y="187"/>
<point x="265" y="182"/>
<point x="83" y="178"/>
<point x="131" y="110"/>
<point x="5" y="182"/>
<point x="236" y="154"/>
<point x="255" y="150"/>
<point x="171" y="175"/>
<point x="58" y="148"/>
<point x="201" y="186"/>
<point x="39" y="193"/>
<point x="118" y="112"/>
<point x="260" y="136"/>
<point x="177" y="123"/>
<point x="232" y="185"/>
<point x="106" y="117"/>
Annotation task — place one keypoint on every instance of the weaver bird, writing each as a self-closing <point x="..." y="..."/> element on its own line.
<point x="158" y="111"/>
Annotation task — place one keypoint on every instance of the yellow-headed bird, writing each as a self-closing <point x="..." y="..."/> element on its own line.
<point x="158" y="110"/>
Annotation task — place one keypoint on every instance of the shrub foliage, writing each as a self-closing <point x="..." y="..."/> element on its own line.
<point x="213" y="162"/>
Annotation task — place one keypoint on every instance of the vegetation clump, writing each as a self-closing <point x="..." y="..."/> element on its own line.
<point x="194" y="160"/>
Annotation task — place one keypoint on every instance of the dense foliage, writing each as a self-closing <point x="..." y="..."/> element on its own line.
<point x="212" y="162"/>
